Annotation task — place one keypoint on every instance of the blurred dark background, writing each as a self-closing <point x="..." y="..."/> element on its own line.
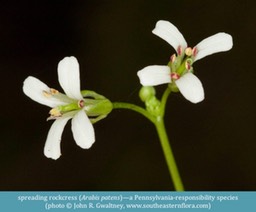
<point x="213" y="142"/>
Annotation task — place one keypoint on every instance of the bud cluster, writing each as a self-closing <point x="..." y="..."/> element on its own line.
<point x="147" y="95"/>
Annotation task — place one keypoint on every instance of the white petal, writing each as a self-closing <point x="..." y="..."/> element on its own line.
<point x="219" y="42"/>
<point x="35" y="89"/>
<point x="52" y="145"/>
<point x="191" y="88"/>
<point x="83" y="130"/>
<point x="69" y="77"/>
<point x="170" y="34"/>
<point x="154" y="75"/>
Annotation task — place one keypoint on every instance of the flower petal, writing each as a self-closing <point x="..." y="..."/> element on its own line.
<point x="219" y="42"/>
<point x="83" y="130"/>
<point x="52" y="145"/>
<point x="154" y="75"/>
<point x="170" y="34"/>
<point x="69" y="77"/>
<point x="191" y="88"/>
<point x="35" y="89"/>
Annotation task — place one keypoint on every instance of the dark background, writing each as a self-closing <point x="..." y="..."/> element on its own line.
<point x="213" y="142"/>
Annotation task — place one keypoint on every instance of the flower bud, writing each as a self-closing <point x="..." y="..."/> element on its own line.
<point x="146" y="92"/>
<point x="153" y="106"/>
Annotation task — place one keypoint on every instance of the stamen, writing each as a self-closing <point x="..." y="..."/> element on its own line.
<point x="188" y="65"/>
<point x="55" y="112"/>
<point x="194" y="51"/>
<point x="179" y="50"/>
<point x="81" y="103"/>
<point x="188" y="51"/>
<point x="47" y="94"/>
<point x="175" y="76"/>
<point x="54" y="91"/>
<point x="173" y="58"/>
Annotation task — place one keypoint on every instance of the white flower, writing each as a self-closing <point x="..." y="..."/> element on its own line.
<point x="179" y="69"/>
<point x="64" y="107"/>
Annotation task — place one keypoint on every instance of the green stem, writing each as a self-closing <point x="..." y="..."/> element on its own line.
<point x="169" y="157"/>
<point x="168" y="154"/>
<point x="164" y="100"/>
<point x="158" y="121"/>
<point x="123" y="105"/>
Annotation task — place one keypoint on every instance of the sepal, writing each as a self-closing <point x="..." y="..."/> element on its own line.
<point x="96" y="105"/>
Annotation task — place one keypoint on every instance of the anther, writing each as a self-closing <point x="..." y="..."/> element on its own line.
<point x="175" y="76"/>
<point x="47" y="94"/>
<point x="173" y="58"/>
<point x="188" y="64"/>
<point x="188" y="51"/>
<point x="194" y="51"/>
<point x="179" y="50"/>
<point x="54" y="91"/>
<point x="55" y="112"/>
<point x="81" y="103"/>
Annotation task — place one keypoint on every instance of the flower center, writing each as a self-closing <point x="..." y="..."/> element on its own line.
<point x="181" y="63"/>
<point x="63" y="109"/>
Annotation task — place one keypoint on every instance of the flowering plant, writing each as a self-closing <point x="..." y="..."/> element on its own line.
<point x="88" y="107"/>
<point x="76" y="105"/>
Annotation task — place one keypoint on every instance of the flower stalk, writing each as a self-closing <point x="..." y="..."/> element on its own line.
<point x="157" y="118"/>
<point x="168" y="154"/>
<point x="129" y="106"/>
